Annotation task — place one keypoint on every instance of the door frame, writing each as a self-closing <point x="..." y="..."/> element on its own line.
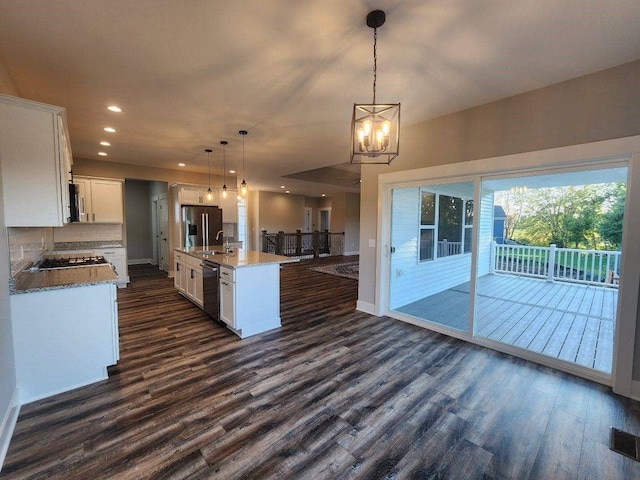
<point x="582" y="157"/>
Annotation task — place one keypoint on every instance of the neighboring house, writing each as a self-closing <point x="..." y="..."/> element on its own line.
<point x="499" y="218"/>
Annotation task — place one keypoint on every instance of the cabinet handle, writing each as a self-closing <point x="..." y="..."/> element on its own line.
<point x="177" y="267"/>
<point x="225" y="284"/>
<point x="94" y="217"/>
<point x="191" y="273"/>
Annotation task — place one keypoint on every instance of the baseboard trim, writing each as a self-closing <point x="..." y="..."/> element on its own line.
<point x="140" y="261"/>
<point x="366" y="307"/>
<point x="8" y="424"/>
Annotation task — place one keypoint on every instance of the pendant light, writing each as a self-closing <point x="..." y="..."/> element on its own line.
<point x="209" y="193"/>
<point x="375" y="127"/>
<point x="243" y="185"/>
<point x="224" y="143"/>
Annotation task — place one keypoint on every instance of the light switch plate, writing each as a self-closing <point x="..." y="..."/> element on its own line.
<point x="372" y="243"/>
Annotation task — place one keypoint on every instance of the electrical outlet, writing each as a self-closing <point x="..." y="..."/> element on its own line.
<point x="372" y="243"/>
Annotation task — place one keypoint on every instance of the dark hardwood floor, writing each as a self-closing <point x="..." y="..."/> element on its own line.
<point x="334" y="393"/>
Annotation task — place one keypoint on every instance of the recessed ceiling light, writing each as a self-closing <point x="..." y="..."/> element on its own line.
<point x="114" y="108"/>
<point x="287" y="191"/>
<point x="110" y="129"/>
<point x="105" y="144"/>
<point x="232" y="171"/>
<point x="102" y="154"/>
<point x="281" y="186"/>
<point x="323" y="195"/>
<point x="182" y="164"/>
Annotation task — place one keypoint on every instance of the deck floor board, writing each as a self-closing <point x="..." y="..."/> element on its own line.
<point x="567" y="321"/>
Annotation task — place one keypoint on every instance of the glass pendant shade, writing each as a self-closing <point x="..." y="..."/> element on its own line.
<point x="243" y="188"/>
<point x="375" y="133"/>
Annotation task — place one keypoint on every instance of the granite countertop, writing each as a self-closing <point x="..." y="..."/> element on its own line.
<point x="58" y="246"/>
<point x="239" y="258"/>
<point x="53" y="279"/>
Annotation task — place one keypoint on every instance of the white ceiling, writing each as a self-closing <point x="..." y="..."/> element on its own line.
<point x="191" y="73"/>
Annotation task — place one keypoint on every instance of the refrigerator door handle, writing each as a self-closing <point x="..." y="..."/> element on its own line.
<point x="203" y="226"/>
<point x="206" y="217"/>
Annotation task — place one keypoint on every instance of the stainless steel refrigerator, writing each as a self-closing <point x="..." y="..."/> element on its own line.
<point x="200" y="225"/>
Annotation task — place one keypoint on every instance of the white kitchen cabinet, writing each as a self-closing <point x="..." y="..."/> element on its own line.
<point x="229" y="208"/>
<point x="188" y="277"/>
<point x="178" y="281"/>
<point x="197" y="195"/>
<point x="118" y="258"/>
<point x="100" y="200"/>
<point x="64" y="338"/>
<point x="36" y="163"/>
<point x="227" y="297"/>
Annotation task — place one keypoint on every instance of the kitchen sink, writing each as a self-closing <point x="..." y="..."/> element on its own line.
<point x="216" y="252"/>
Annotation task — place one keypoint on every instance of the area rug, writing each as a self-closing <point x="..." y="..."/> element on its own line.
<point x="347" y="270"/>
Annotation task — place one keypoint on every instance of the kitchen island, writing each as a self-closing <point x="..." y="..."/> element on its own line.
<point x="65" y="328"/>
<point x="249" y="286"/>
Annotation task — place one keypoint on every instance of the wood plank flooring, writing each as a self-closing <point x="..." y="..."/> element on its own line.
<point x="568" y="321"/>
<point x="333" y="394"/>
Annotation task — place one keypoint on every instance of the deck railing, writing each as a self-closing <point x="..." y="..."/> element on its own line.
<point x="593" y="267"/>
<point x="303" y="245"/>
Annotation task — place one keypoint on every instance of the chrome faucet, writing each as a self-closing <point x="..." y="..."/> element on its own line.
<point x="225" y="240"/>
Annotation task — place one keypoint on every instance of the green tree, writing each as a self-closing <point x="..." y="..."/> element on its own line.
<point x="567" y="216"/>
<point x="610" y="226"/>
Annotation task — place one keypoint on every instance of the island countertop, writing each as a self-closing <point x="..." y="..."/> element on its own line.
<point x="238" y="259"/>
<point x="56" y="278"/>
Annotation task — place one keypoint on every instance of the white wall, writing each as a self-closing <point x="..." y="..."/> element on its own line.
<point x="594" y="108"/>
<point x="7" y="358"/>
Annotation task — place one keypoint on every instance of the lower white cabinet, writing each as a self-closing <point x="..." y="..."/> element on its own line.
<point x="64" y="338"/>
<point x="188" y="277"/>
<point x="250" y="298"/>
<point x="118" y="258"/>
<point x="227" y="298"/>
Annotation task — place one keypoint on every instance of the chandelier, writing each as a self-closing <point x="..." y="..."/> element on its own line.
<point x="375" y="127"/>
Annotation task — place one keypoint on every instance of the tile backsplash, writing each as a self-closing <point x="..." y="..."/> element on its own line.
<point x="26" y="245"/>
<point x="88" y="232"/>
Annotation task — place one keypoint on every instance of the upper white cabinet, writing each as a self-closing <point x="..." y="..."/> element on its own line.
<point x="197" y="195"/>
<point x="229" y="208"/>
<point x="36" y="163"/>
<point x="100" y="200"/>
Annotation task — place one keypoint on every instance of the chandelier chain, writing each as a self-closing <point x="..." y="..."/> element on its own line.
<point x="375" y="62"/>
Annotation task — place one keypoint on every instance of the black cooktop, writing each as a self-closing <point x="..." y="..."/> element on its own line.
<point x="48" y="263"/>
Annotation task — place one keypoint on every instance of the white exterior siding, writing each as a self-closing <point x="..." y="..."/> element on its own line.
<point x="485" y="232"/>
<point x="410" y="279"/>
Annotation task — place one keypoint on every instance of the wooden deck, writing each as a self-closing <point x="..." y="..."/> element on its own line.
<point x="567" y="321"/>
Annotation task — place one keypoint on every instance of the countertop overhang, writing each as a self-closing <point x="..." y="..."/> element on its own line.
<point x="35" y="281"/>
<point x="238" y="259"/>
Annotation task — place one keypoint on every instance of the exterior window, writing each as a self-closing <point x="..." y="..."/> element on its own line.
<point x="427" y="225"/>
<point x="446" y="226"/>
<point x="468" y="225"/>
<point x="449" y="226"/>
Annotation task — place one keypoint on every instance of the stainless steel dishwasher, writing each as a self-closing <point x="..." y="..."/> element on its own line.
<point x="211" y="289"/>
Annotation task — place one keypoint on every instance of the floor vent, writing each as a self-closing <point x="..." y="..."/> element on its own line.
<point x="625" y="443"/>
